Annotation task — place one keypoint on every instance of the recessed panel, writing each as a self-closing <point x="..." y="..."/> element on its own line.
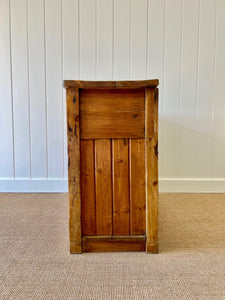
<point x="112" y="113"/>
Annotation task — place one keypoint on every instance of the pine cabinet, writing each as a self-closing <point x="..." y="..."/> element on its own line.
<point x="112" y="129"/>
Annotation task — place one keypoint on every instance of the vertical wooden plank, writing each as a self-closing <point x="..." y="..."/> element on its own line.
<point x="104" y="34"/>
<point x="54" y="88"/>
<point x="87" y="39"/>
<point x="73" y="134"/>
<point x="20" y="88"/>
<point x="70" y="48"/>
<point x="151" y="152"/>
<point x="138" y="42"/>
<point x="88" y="221"/>
<point x="103" y="179"/>
<point x="218" y="142"/>
<point x="121" y="39"/>
<point x="171" y="91"/>
<point x="137" y="186"/>
<point x="6" y="145"/>
<point x="37" y="88"/>
<point x="188" y="88"/>
<point x="205" y="92"/>
<point x="155" y="60"/>
<point x="121" y="205"/>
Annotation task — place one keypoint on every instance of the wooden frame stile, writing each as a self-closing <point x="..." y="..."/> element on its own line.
<point x="151" y="169"/>
<point x="73" y="136"/>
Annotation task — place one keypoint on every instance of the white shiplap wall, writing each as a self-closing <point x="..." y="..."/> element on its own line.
<point x="181" y="42"/>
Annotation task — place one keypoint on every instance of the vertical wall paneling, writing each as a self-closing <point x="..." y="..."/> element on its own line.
<point x="180" y="42"/>
<point x="138" y="39"/>
<point x="218" y="138"/>
<point x="70" y="49"/>
<point x="155" y="56"/>
<point x="70" y="39"/>
<point x="171" y="90"/>
<point x="37" y="88"/>
<point x="87" y="17"/>
<point x="6" y="145"/>
<point x="54" y="88"/>
<point x="21" y="111"/>
<point x="188" y="88"/>
<point x="104" y="38"/>
<point x="121" y="39"/>
<point x="205" y="81"/>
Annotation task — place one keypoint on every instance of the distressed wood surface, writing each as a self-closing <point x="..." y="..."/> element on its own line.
<point x="88" y="219"/>
<point x="151" y="144"/>
<point x="73" y="135"/>
<point x="118" y="176"/>
<point x="137" y="186"/>
<point x="110" y="84"/>
<point x="114" y="244"/>
<point x="121" y="205"/>
<point x="112" y="125"/>
<point x="112" y="113"/>
<point x="109" y="100"/>
<point x="103" y="180"/>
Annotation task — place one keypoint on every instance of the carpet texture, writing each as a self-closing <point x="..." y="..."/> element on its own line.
<point x="35" y="262"/>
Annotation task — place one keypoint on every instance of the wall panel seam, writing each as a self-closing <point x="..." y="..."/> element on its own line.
<point x="28" y="85"/>
<point x="11" y="86"/>
<point x="214" y="67"/>
<point x="46" y="106"/>
<point x="62" y="69"/>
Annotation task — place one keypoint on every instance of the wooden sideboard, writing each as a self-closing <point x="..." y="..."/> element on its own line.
<point x="112" y="129"/>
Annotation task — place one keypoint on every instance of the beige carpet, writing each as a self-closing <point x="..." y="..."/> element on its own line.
<point x="35" y="262"/>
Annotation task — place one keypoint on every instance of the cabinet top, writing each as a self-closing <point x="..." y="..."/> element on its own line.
<point x="110" y="84"/>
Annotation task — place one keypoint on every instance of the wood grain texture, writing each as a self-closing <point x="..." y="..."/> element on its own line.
<point x="109" y="100"/>
<point x="87" y="166"/>
<point x="112" y="113"/>
<point x="114" y="244"/>
<point x="73" y="134"/>
<point x="110" y="84"/>
<point x="149" y="113"/>
<point x="137" y="186"/>
<point x="121" y="205"/>
<point x="151" y="151"/>
<point x="103" y="180"/>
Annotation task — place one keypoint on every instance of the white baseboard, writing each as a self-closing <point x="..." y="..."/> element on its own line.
<point x="166" y="185"/>
<point x="174" y="185"/>
<point x="26" y="185"/>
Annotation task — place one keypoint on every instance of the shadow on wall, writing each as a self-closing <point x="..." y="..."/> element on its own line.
<point x="189" y="152"/>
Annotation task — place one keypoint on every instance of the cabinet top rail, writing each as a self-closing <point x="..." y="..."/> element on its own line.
<point x="110" y="84"/>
